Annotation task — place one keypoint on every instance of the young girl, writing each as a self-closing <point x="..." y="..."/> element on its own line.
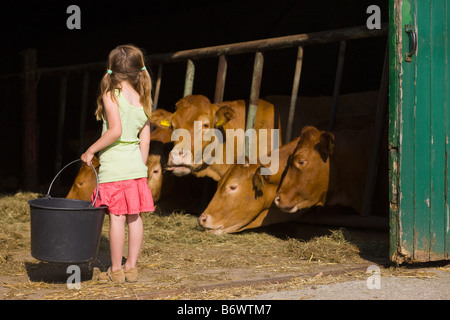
<point x="124" y="105"/>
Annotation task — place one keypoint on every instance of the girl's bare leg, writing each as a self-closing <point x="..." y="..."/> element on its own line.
<point x="135" y="235"/>
<point x="116" y="240"/>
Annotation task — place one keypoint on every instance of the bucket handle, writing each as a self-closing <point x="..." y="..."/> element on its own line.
<point x="96" y="176"/>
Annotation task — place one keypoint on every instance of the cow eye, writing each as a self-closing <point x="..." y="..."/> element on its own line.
<point x="302" y="162"/>
<point x="232" y="187"/>
<point x="205" y="125"/>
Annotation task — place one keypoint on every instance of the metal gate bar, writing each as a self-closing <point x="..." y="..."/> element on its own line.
<point x="189" y="82"/>
<point x="221" y="77"/>
<point x="157" y="87"/>
<point x="254" y="96"/>
<point x="337" y="84"/>
<point x="295" y="85"/>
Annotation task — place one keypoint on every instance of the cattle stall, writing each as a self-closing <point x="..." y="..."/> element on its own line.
<point x="419" y="217"/>
<point x="190" y="57"/>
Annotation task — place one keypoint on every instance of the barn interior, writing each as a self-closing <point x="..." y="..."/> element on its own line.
<point x="162" y="26"/>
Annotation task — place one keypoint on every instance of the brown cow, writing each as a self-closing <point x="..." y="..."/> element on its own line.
<point x="244" y="197"/>
<point x="192" y="109"/>
<point x="326" y="169"/>
<point x="85" y="182"/>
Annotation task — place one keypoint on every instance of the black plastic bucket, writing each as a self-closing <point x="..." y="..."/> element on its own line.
<point x="65" y="230"/>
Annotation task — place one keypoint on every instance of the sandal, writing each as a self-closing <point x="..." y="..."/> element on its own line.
<point x="131" y="275"/>
<point x="116" y="276"/>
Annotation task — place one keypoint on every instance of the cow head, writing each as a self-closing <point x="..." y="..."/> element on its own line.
<point x="243" y="195"/>
<point x="85" y="182"/>
<point x="306" y="180"/>
<point x="190" y="110"/>
<point x="155" y="175"/>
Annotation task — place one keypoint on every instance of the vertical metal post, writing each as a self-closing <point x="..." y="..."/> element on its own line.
<point x="30" y="140"/>
<point x="254" y="96"/>
<point x="84" y="102"/>
<point x="157" y="87"/>
<point x="337" y="84"/>
<point x="221" y="77"/>
<point x="295" y="85"/>
<point x="372" y="171"/>
<point x="189" y="82"/>
<point x="60" y="124"/>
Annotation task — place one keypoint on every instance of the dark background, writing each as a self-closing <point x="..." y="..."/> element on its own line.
<point x="160" y="26"/>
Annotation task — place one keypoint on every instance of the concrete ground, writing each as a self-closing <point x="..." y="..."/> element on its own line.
<point x="434" y="285"/>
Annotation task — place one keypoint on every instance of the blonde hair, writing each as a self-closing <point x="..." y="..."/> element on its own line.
<point x="126" y="63"/>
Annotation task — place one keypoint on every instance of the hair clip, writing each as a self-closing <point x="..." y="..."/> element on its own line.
<point x="109" y="71"/>
<point x="143" y="68"/>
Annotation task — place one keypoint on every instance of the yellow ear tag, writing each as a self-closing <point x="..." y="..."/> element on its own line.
<point x="165" y="123"/>
<point x="220" y="122"/>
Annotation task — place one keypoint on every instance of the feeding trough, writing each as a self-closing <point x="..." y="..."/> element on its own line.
<point x="65" y="230"/>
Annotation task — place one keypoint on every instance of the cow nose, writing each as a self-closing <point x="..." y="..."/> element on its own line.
<point x="180" y="153"/>
<point x="178" y="156"/>
<point x="277" y="201"/>
<point x="202" y="220"/>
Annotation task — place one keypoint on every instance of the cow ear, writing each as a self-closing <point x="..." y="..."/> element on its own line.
<point x="326" y="144"/>
<point x="258" y="183"/>
<point x="222" y="116"/>
<point x="161" y="118"/>
<point x="96" y="163"/>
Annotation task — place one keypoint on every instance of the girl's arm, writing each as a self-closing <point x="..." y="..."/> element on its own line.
<point x="113" y="132"/>
<point x="144" y="144"/>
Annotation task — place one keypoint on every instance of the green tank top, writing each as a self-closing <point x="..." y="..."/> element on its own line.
<point x="122" y="160"/>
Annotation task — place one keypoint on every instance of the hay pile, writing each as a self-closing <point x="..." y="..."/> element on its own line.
<point x="176" y="253"/>
<point x="14" y="230"/>
<point x="334" y="248"/>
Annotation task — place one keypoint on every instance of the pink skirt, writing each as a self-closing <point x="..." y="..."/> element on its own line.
<point x="125" y="197"/>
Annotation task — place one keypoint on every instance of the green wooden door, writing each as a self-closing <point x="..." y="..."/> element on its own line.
<point x="419" y="130"/>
